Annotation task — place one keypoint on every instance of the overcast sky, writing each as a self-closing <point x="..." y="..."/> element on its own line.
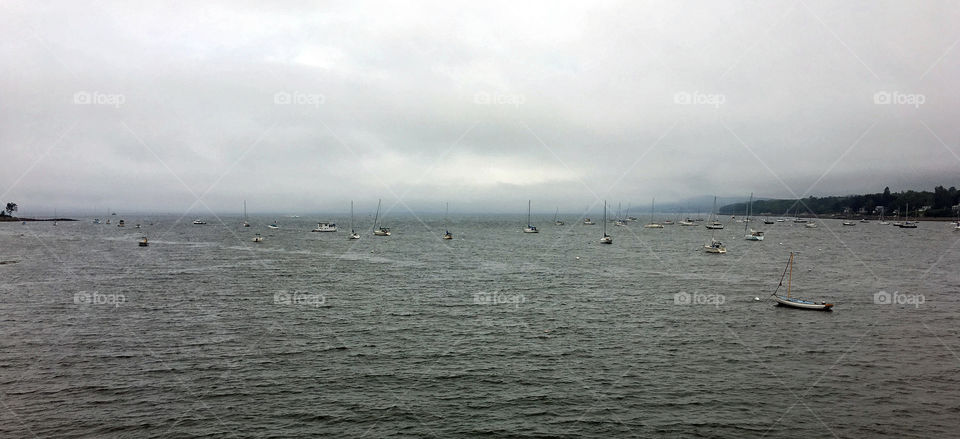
<point x="303" y="106"/>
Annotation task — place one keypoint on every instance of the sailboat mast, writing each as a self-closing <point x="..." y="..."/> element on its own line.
<point x="604" y="217"/>
<point x="377" y="216"/>
<point x="790" y="279"/>
<point x="746" y="223"/>
<point x="528" y="213"/>
<point x="351" y="216"/>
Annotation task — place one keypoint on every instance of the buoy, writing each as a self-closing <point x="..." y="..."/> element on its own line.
<point x="578" y="257"/>
<point x="756" y="298"/>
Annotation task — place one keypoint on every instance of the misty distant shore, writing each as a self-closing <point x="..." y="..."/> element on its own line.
<point x="6" y="218"/>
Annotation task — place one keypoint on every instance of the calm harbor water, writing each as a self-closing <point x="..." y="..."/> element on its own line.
<point x="495" y="333"/>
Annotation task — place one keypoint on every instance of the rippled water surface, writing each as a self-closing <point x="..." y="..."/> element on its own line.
<point x="495" y="333"/>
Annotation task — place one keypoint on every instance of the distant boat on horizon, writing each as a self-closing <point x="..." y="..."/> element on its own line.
<point x="379" y="231"/>
<point x="446" y="215"/>
<point x="353" y="233"/>
<point x="651" y="224"/>
<point x="752" y="235"/>
<point x="325" y="227"/>
<point x="605" y="239"/>
<point x="714" y="224"/>
<point x="530" y="228"/>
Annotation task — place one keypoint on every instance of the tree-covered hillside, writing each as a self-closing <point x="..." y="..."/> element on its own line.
<point x="938" y="203"/>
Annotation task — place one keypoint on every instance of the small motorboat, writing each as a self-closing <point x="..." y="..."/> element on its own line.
<point x="258" y="238"/>
<point x="199" y="222"/>
<point x="325" y="227"/>
<point x="754" y="235"/>
<point x="143" y="242"/>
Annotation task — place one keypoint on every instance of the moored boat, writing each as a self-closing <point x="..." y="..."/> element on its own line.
<point x="794" y="302"/>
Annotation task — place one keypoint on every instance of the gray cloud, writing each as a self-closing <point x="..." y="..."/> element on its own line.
<point x="300" y="107"/>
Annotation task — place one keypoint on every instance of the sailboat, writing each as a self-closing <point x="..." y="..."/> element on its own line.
<point x="446" y="232"/>
<point x="246" y="223"/>
<point x="143" y="242"/>
<point x="714" y="224"/>
<point x="619" y="221"/>
<point x="353" y="233"/>
<point x="588" y="222"/>
<point x="651" y="224"/>
<point x="794" y="302"/>
<point x="258" y="238"/>
<point x="715" y="247"/>
<point x="606" y="239"/>
<point x="530" y="228"/>
<point x="556" y="221"/>
<point x="753" y="235"/>
<point x="882" y="222"/>
<point x="379" y="231"/>
<point x="907" y="224"/>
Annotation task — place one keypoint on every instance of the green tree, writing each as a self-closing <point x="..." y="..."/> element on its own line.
<point x="11" y="208"/>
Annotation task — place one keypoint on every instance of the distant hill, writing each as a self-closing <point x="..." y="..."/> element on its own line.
<point x="938" y="203"/>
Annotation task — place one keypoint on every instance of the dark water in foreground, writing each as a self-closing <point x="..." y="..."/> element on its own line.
<point x="495" y="333"/>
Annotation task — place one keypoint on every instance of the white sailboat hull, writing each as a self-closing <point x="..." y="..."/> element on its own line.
<point x="653" y="226"/>
<point x="802" y="304"/>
